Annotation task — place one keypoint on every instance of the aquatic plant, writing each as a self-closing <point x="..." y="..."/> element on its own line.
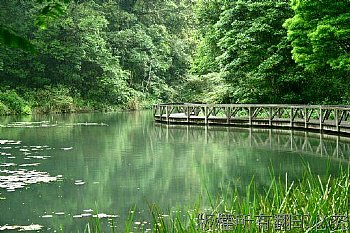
<point x="319" y="203"/>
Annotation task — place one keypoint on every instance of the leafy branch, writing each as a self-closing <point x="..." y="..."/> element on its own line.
<point x="51" y="10"/>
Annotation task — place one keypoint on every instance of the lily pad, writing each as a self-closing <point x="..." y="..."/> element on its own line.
<point x="22" y="177"/>
<point x="29" y="165"/>
<point x="32" y="227"/>
<point x="66" y="148"/>
<point x="102" y="215"/>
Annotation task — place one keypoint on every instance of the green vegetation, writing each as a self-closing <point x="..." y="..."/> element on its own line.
<point x="311" y="196"/>
<point x="250" y="45"/>
<point x="101" y="55"/>
<point x="93" y="55"/>
<point x="319" y="32"/>
<point x="11" y="103"/>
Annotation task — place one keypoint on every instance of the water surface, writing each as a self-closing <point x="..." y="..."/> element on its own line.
<point x="56" y="171"/>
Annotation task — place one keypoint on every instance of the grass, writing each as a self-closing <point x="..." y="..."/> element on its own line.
<point x="315" y="199"/>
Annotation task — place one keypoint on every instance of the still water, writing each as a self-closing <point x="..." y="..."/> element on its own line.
<point x="56" y="171"/>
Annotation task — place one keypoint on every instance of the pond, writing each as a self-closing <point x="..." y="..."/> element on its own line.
<point x="57" y="171"/>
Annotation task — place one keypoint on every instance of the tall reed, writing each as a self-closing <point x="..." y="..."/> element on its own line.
<point x="315" y="199"/>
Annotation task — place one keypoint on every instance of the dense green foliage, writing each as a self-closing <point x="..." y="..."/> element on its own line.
<point x="49" y="10"/>
<point x="320" y="32"/>
<point x="249" y="44"/>
<point x="93" y="54"/>
<point x="130" y="54"/>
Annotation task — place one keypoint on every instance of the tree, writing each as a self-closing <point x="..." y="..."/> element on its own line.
<point x="207" y="15"/>
<point x="245" y="42"/>
<point x="103" y="52"/>
<point x="153" y="48"/>
<point x="320" y="34"/>
<point x="48" y="11"/>
<point x="76" y="51"/>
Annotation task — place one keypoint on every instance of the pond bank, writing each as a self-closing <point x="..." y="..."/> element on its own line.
<point x="56" y="100"/>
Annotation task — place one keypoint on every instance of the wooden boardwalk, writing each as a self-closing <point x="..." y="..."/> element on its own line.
<point x="322" y="118"/>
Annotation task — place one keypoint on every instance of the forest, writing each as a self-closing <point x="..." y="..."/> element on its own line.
<point x="101" y="55"/>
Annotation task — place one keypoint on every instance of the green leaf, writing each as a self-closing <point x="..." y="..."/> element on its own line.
<point x="11" y="39"/>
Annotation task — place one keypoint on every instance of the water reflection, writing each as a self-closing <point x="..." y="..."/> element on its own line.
<point x="331" y="146"/>
<point x="112" y="162"/>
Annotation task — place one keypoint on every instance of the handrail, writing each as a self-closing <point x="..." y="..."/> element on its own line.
<point x="256" y="105"/>
<point x="330" y="118"/>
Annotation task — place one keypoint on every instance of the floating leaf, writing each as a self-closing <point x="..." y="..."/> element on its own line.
<point x="32" y="227"/>
<point x="67" y="148"/>
<point x="102" y="215"/>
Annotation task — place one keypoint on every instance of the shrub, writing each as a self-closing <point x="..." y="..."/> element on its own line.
<point x="3" y="109"/>
<point x="14" y="103"/>
<point x="209" y="88"/>
<point x="53" y="99"/>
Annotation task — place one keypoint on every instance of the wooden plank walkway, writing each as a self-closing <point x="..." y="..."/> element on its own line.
<point x="323" y="118"/>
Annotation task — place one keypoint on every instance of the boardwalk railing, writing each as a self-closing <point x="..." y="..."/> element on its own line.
<point x="313" y="117"/>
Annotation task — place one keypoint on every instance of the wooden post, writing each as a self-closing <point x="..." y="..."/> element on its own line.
<point x="305" y="117"/>
<point x="161" y="112"/>
<point x="250" y="115"/>
<point x="156" y="107"/>
<point x="188" y="114"/>
<point x="336" y="119"/>
<point x="167" y="114"/>
<point x="228" y="115"/>
<point x="321" y="118"/>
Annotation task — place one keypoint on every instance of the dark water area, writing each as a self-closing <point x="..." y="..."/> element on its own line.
<point x="57" y="171"/>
